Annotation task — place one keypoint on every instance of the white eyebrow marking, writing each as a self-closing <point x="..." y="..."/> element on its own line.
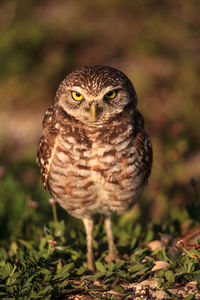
<point x="85" y="94"/>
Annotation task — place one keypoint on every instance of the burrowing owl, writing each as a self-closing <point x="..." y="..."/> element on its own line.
<point x="94" y="154"/>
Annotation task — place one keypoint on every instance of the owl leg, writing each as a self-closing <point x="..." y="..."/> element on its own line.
<point x="112" y="254"/>
<point x="89" y="224"/>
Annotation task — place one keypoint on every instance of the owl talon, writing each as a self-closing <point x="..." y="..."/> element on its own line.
<point x="111" y="257"/>
<point x="91" y="267"/>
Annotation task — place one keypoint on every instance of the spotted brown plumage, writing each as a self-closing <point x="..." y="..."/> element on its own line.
<point x="94" y="154"/>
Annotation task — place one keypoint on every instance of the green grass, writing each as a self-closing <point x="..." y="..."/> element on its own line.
<point x="43" y="256"/>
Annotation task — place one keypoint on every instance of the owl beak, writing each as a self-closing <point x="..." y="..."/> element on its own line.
<point x="93" y="110"/>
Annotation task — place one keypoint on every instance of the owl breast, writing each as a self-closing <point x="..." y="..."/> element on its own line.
<point x="95" y="172"/>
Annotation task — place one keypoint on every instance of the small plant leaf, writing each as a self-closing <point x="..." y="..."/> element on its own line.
<point x="100" y="267"/>
<point x="169" y="275"/>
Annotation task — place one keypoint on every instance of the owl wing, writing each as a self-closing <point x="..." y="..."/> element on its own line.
<point x="143" y="145"/>
<point x="47" y="143"/>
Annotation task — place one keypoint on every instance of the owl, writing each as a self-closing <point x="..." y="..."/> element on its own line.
<point x="94" y="154"/>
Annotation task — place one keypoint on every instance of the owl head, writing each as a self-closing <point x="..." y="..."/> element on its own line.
<point x="96" y="94"/>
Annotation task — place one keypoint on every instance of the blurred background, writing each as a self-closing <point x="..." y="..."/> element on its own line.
<point x="156" y="43"/>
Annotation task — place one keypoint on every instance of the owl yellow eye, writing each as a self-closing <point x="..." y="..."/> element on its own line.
<point x="77" y="96"/>
<point x="110" y="95"/>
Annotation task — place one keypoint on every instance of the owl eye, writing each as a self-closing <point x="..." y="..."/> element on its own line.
<point x="111" y="95"/>
<point x="77" y="96"/>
